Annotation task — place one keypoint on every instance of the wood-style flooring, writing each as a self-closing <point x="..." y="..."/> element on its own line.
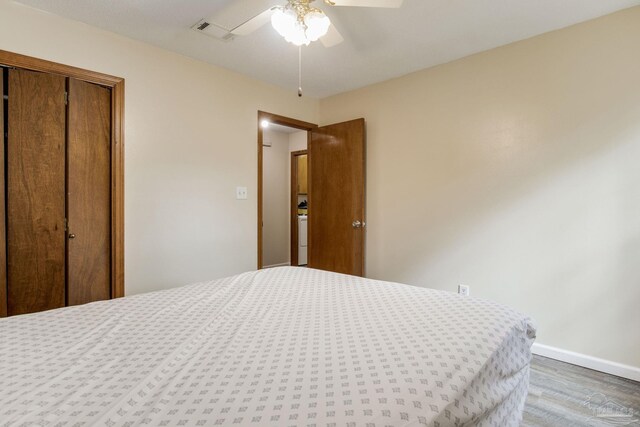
<point x="561" y="394"/>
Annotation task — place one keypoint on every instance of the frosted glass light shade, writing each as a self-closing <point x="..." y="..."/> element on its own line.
<point x="286" y="23"/>
<point x="297" y="36"/>
<point x="284" y="20"/>
<point x="317" y="25"/>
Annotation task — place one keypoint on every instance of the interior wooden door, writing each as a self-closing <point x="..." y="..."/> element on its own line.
<point x="88" y="193"/>
<point x="302" y="174"/>
<point x="35" y="192"/>
<point x="337" y="197"/>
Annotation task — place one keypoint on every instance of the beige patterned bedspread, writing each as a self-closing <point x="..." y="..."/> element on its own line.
<point x="278" y="347"/>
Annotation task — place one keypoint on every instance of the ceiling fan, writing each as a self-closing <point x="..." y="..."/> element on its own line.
<point x="297" y="21"/>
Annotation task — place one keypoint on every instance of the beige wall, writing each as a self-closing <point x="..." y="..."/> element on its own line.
<point x="276" y="239"/>
<point x="190" y="132"/>
<point x="517" y="172"/>
<point x="298" y="141"/>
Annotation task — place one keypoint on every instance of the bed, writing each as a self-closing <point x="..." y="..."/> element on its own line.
<point x="278" y="347"/>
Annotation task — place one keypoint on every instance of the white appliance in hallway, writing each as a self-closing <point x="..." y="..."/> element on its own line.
<point x="302" y="240"/>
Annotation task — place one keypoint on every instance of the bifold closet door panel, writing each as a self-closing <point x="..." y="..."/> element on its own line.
<point x="89" y="193"/>
<point x="3" y="236"/>
<point x="36" y="235"/>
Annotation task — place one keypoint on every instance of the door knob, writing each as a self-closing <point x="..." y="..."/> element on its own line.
<point x="72" y="236"/>
<point x="356" y="224"/>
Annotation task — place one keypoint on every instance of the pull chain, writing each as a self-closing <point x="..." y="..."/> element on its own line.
<point x="300" y="71"/>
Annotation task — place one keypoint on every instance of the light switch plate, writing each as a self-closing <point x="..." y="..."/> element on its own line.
<point x="241" y="193"/>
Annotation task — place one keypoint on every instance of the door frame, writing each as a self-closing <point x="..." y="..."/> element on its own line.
<point x="294" y="203"/>
<point x="279" y="120"/>
<point x="116" y="84"/>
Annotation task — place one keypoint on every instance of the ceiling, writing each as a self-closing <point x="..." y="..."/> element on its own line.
<point x="379" y="43"/>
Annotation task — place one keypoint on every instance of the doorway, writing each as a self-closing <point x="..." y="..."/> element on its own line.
<point x="332" y="206"/>
<point x="281" y="188"/>
<point x="299" y="207"/>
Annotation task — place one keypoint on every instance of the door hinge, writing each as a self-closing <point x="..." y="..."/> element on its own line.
<point x="66" y="225"/>
<point x="66" y="98"/>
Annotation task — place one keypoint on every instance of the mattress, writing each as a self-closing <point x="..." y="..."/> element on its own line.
<point x="278" y="347"/>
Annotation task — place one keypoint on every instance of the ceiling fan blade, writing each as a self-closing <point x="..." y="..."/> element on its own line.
<point x="238" y="12"/>
<point x="253" y="24"/>
<point x="369" y="3"/>
<point x="332" y="38"/>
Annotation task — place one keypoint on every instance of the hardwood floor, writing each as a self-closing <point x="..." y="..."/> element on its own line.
<point x="565" y="395"/>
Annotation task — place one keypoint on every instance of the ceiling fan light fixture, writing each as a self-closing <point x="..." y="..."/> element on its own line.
<point x="300" y="24"/>
<point x="298" y="36"/>
<point x="284" y="21"/>
<point x="317" y="24"/>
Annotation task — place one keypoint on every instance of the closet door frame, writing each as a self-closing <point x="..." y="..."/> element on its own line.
<point x="116" y="84"/>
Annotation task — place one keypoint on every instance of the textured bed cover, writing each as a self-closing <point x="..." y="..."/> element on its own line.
<point x="278" y="347"/>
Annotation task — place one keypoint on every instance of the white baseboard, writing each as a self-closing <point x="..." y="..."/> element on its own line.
<point x="284" y="264"/>
<point x="602" y="365"/>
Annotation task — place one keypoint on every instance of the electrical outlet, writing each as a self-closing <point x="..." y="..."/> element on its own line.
<point x="241" y="193"/>
<point x="464" y="290"/>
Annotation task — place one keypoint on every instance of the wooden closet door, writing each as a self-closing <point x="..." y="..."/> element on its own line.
<point x="35" y="192"/>
<point x="89" y="193"/>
